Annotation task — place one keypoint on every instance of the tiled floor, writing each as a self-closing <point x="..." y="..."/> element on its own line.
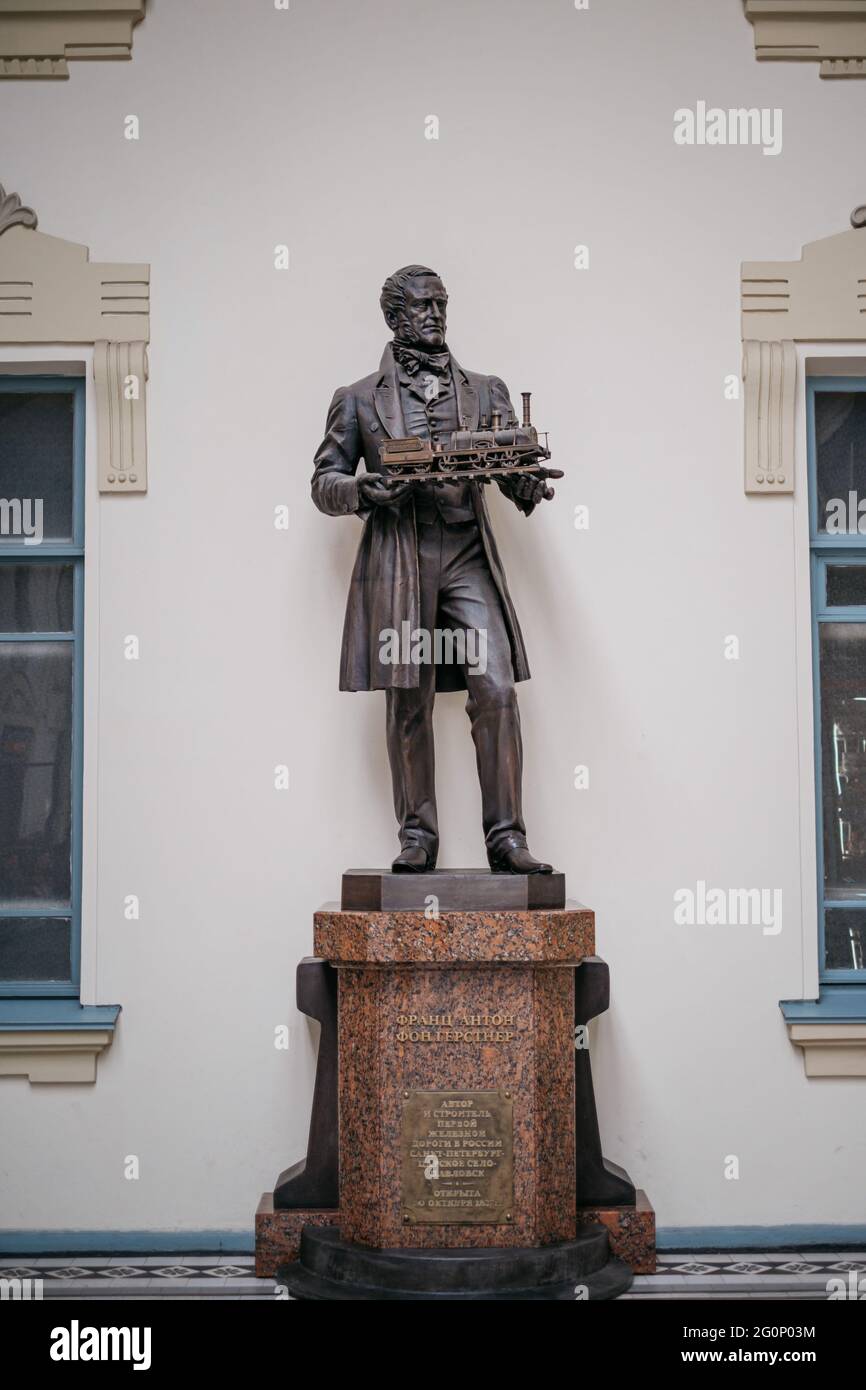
<point x="139" y="1276"/>
<point x="778" y="1274"/>
<point x="784" y="1274"/>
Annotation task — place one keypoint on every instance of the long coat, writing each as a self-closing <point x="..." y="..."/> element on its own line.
<point x="384" y="591"/>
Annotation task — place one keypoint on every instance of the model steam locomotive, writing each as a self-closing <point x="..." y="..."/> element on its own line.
<point x="492" y="450"/>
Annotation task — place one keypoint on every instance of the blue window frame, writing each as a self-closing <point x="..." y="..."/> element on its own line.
<point x="42" y="424"/>
<point x="837" y="529"/>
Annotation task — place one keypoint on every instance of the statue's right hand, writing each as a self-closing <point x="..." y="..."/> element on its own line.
<point x="382" y="492"/>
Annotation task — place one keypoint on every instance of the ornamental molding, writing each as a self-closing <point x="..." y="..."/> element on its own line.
<point x="52" y="293"/>
<point x="38" y="38"/>
<point x="819" y="298"/>
<point x="52" y="1055"/>
<point x="13" y="213"/>
<point x="831" y="33"/>
<point x="831" y="1049"/>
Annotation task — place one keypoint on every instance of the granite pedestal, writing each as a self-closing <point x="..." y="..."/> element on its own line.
<point x="444" y="1114"/>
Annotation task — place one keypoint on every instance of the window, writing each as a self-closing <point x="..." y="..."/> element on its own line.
<point x="837" y="512"/>
<point x="41" y="658"/>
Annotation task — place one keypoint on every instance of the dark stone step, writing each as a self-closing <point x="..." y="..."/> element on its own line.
<point x="331" y="1269"/>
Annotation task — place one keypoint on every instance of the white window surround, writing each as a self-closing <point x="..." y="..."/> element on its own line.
<point x="830" y="1048"/>
<point x="70" y="1055"/>
<point x="59" y="311"/>
<point x="39" y="37"/>
<point x="801" y="318"/>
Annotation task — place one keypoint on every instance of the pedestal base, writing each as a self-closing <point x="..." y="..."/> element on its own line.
<point x="454" y="1148"/>
<point x="278" y="1233"/>
<point x="331" y="1269"/>
<point x="631" y="1229"/>
<point x="631" y="1232"/>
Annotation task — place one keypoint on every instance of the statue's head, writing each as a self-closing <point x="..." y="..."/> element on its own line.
<point x="414" y="303"/>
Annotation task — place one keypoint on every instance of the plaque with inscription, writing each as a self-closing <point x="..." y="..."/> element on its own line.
<point x="458" y="1157"/>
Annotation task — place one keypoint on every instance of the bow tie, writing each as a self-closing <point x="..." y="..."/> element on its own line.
<point x="413" y="360"/>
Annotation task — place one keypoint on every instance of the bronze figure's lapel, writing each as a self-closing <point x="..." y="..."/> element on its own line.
<point x="387" y="397"/>
<point x="467" y="397"/>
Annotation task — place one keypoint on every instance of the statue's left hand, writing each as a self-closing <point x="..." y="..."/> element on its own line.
<point x="382" y="492"/>
<point x="532" y="487"/>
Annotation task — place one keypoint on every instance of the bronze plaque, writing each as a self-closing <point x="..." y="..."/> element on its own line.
<point x="458" y="1157"/>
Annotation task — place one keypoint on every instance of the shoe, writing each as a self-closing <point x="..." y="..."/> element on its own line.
<point x="516" y="859"/>
<point x="413" y="859"/>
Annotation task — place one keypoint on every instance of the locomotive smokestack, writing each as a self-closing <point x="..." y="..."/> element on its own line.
<point x="497" y="419"/>
<point x="527" y="397"/>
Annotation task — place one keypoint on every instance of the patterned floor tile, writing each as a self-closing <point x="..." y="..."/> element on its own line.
<point x="830" y="1256"/>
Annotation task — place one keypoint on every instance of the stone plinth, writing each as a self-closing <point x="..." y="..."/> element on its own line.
<point x="468" y="1004"/>
<point x="278" y="1233"/>
<point x="631" y="1230"/>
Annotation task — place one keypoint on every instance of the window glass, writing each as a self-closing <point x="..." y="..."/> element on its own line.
<point x="35" y="597"/>
<point x="845" y="939"/>
<point x="35" y="948"/>
<point x="35" y="774"/>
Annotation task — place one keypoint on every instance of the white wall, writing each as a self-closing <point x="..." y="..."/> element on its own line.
<point x="307" y="127"/>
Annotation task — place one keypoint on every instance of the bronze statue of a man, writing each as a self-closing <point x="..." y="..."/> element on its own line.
<point x="428" y="565"/>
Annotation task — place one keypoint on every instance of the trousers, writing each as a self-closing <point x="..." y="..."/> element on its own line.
<point x="457" y="594"/>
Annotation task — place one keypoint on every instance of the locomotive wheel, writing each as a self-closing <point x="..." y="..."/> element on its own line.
<point x="469" y="462"/>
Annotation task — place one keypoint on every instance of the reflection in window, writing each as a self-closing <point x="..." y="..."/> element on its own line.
<point x="846" y="586"/>
<point x="35" y="598"/>
<point x="845" y="931"/>
<point x="35" y="756"/>
<point x="36" y="948"/>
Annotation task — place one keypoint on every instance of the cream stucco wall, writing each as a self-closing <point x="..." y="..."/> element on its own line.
<point x="261" y="127"/>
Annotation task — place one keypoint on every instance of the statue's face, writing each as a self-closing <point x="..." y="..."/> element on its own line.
<point x="421" y="322"/>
